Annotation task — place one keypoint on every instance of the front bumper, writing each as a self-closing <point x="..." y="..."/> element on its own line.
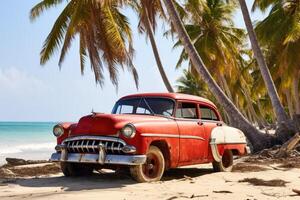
<point x="94" y="158"/>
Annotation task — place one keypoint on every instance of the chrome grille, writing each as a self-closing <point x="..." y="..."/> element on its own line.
<point x="91" y="145"/>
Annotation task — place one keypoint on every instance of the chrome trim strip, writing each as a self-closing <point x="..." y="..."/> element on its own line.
<point x="119" y="147"/>
<point x="160" y="135"/>
<point x="93" y="145"/>
<point x="94" y="158"/>
<point x="129" y="149"/>
<point x="81" y="145"/>
<point x="214" y="150"/>
<point x="111" y="139"/>
<point x="72" y="146"/>
<point x="192" y="137"/>
<point x="112" y="147"/>
<point x="87" y="146"/>
<point x="248" y="150"/>
<point x="212" y="121"/>
<point x="77" y="146"/>
<point x="115" y="148"/>
<point x="94" y="148"/>
<point x="230" y="143"/>
<point x="172" y="136"/>
<point x="106" y="144"/>
<point x="187" y="119"/>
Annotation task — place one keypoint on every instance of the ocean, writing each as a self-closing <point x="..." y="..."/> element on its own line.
<point x="27" y="140"/>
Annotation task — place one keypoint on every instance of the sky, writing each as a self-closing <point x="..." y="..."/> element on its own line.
<point x="30" y="92"/>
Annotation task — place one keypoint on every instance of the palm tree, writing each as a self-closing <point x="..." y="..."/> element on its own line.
<point x="283" y="44"/>
<point x="104" y="35"/>
<point x="277" y="106"/>
<point x="190" y="83"/>
<point x="216" y="40"/>
<point x="148" y="10"/>
<point x="258" y="140"/>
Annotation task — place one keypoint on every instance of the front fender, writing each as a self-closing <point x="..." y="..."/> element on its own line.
<point x="67" y="128"/>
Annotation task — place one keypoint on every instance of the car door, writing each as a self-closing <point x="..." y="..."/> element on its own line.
<point x="191" y="132"/>
<point x="210" y="119"/>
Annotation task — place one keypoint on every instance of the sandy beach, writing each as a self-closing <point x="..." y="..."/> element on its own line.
<point x="144" y="86"/>
<point x="194" y="182"/>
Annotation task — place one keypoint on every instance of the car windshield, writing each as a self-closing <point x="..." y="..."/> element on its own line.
<point x="145" y="106"/>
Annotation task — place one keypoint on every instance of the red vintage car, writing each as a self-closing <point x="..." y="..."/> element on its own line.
<point x="149" y="133"/>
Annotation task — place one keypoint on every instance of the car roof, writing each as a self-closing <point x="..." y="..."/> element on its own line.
<point x="177" y="96"/>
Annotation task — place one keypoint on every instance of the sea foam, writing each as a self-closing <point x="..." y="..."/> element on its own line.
<point x="48" y="146"/>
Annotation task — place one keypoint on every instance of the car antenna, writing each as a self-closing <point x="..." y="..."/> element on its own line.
<point x="94" y="112"/>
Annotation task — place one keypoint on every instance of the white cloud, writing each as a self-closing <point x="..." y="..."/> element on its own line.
<point x="16" y="81"/>
<point x="22" y="96"/>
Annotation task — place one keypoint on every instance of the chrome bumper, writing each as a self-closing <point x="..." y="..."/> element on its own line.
<point x="94" y="158"/>
<point x="248" y="150"/>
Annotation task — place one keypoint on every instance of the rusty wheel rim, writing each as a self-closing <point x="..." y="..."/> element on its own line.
<point x="152" y="166"/>
<point x="226" y="159"/>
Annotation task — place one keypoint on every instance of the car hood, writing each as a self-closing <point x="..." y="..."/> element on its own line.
<point x="109" y="124"/>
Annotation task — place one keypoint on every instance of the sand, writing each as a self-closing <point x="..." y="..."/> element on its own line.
<point x="195" y="182"/>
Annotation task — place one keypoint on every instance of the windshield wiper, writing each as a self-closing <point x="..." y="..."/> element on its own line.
<point x="152" y="112"/>
<point x="155" y="114"/>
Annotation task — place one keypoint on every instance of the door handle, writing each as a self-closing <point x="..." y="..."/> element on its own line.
<point x="200" y="123"/>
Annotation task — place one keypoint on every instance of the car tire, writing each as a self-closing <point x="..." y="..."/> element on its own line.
<point x="226" y="163"/>
<point x="76" y="169"/>
<point x="152" y="170"/>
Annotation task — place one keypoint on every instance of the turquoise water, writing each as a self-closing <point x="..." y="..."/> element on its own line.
<point x="29" y="140"/>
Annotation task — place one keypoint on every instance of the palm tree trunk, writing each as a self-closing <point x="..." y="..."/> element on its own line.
<point x="287" y="93"/>
<point x="296" y="98"/>
<point x="258" y="140"/>
<point x="156" y="54"/>
<point x="262" y="113"/>
<point x="296" y="93"/>
<point x="277" y="106"/>
<point x="249" y="116"/>
<point x="225" y="86"/>
<point x="252" y="110"/>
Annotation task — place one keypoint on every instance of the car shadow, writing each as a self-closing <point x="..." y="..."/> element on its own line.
<point x="181" y="173"/>
<point x="105" y="180"/>
<point x="95" y="181"/>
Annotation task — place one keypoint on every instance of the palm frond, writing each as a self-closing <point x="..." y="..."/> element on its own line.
<point x="36" y="11"/>
<point x="105" y="36"/>
<point x="56" y="35"/>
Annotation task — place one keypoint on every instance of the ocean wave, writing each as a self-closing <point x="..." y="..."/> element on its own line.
<point x="27" y="148"/>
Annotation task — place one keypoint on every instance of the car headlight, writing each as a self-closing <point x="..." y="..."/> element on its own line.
<point x="58" y="130"/>
<point x="128" y="131"/>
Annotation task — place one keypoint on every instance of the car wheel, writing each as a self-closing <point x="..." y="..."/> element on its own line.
<point x="76" y="169"/>
<point x="152" y="170"/>
<point x="226" y="163"/>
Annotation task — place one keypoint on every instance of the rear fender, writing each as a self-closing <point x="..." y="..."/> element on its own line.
<point x="227" y="137"/>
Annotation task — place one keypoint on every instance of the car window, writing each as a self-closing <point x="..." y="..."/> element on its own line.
<point x="186" y="110"/>
<point x="145" y="106"/>
<point x="140" y="110"/>
<point x="208" y="113"/>
<point x="168" y="112"/>
<point x="125" y="109"/>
